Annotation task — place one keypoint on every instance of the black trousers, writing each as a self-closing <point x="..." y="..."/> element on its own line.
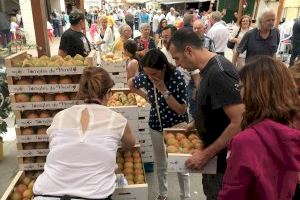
<point x="295" y="54"/>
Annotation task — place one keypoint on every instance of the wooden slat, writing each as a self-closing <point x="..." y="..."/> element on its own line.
<point x="11" y="186"/>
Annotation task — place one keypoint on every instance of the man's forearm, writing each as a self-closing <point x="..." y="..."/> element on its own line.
<point x="221" y="143"/>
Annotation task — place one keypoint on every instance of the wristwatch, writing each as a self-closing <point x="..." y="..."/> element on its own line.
<point x="166" y="94"/>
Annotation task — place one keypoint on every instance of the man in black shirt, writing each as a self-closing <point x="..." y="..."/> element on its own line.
<point x="295" y="42"/>
<point x="73" y="41"/>
<point x="218" y="100"/>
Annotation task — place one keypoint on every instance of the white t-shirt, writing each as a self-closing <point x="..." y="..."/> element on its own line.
<point x="82" y="164"/>
<point x="171" y="18"/>
<point x="13" y="27"/>
<point x="220" y="35"/>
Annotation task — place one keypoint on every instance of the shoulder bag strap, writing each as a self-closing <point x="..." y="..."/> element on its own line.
<point x="237" y="35"/>
<point x="157" y="108"/>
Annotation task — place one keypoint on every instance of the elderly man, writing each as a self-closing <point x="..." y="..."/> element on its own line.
<point x="199" y="29"/>
<point x="218" y="32"/>
<point x="125" y="33"/>
<point x="188" y="20"/>
<point x="262" y="40"/>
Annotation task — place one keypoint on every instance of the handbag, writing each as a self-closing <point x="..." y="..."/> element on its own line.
<point x="158" y="113"/>
<point x="230" y="44"/>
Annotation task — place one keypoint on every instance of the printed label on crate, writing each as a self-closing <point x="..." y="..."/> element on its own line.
<point x="32" y="138"/>
<point x="176" y="163"/>
<point x="32" y="153"/>
<point x="114" y="67"/>
<point x="119" y="77"/>
<point x="31" y="166"/>
<point x="129" y="112"/>
<point x="45" y="105"/>
<point x="34" y="122"/>
<point x="43" y="88"/>
<point x="38" y="71"/>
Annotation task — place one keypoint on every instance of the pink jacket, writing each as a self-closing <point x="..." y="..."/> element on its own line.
<point x="262" y="163"/>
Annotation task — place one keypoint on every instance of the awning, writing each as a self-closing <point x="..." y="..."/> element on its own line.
<point x="167" y="2"/>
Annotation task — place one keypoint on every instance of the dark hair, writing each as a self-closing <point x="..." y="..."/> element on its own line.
<point x="160" y="23"/>
<point x="156" y="59"/>
<point x="131" y="47"/>
<point x="269" y="92"/>
<point x="171" y="27"/>
<point x="94" y="83"/>
<point x="75" y="17"/>
<point x="185" y="37"/>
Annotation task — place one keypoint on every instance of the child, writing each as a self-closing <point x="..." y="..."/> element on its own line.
<point x="13" y="27"/>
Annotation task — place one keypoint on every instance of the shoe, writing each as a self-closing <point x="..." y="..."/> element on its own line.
<point x="161" y="198"/>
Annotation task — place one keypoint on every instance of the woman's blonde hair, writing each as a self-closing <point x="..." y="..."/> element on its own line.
<point x="103" y="18"/>
<point x="13" y="19"/>
<point x="94" y="83"/>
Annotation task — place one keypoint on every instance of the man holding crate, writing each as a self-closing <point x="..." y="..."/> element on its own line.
<point x="218" y="104"/>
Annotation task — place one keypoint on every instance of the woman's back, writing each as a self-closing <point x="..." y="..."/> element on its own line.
<point x="75" y="164"/>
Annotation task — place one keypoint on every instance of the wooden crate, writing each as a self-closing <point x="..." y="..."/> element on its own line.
<point x="176" y="161"/>
<point x="11" y="186"/>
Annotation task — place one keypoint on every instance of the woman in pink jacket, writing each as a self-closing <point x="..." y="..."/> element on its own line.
<point x="263" y="160"/>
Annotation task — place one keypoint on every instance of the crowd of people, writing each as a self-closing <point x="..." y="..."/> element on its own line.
<point x="246" y="110"/>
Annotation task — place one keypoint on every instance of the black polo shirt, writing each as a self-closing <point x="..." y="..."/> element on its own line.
<point x="255" y="45"/>
<point x="74" y="42"/>
<point x="218" y="88"/>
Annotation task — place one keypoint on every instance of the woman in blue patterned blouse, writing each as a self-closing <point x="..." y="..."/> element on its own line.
<point x="166" y="92"/>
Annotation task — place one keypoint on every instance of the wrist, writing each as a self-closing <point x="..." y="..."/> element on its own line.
<point x="166" y="93"/>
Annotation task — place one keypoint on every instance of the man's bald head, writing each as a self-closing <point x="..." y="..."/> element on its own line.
<point x="199" y="28"/>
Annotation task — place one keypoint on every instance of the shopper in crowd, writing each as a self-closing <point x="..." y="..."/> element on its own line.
<point x="218" y="32"/>
<point x="73" y="41"/>
<point x="4" y="29"/>
<point x="125" y="33"/>
<point x="262" y="40"/>
<point x="218" y="104"/>
<point x="270" y="170"/>
<point x="236" y="37"/>
<point x="89" y="18"/>
<point x="55" y="18"/>
<point x="295" y="71"/>
<point x="170" y="17"/>
<point x="156" y="20"/>
<point x="50" y="32"/>
<point x="93" y="31"/>
<point x="167" y="95"/>
<point x="19" y="19"/>
<point x="106" y="38"/>
<point x="295" y="42"/>
<point x="144" y="17"/>
<point x="145" y="42"/>
<point x="90" y="129"/>
<point x="163" y="23"/>
<point x="129" y="19"/>
<point x="65" y="21"/>
<point x="188" y="20"/>
<point x="178" y="20"/>
<point x="110" y="20"/>
<point x="199" y="29"/>
<point x="133" y="66"/>
<point x="235" y="17"/>
<point x="13" y="27"/>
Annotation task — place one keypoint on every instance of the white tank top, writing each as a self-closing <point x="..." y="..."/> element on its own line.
<point x="82" y="165"/>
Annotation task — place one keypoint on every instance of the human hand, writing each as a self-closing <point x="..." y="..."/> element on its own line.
<point x="159" y="84"/>
<point x="198" y="160"/>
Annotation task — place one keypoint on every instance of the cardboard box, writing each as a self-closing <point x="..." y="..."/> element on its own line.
<point x="148" y="159"/>
<point x="144" y="111"/>
<point x="119" y="86"/>
<point x="114" y="67"/>
<point x="119" y="77"/>
<point x="147" y="148"/>
<point x="15" y="181"/>
<point x="143" y="123"/>
<point x="130" y="192"/>
<point x="129" y="112"/>
<point x="49" y="88"/>
<point x="176" y="163"/>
